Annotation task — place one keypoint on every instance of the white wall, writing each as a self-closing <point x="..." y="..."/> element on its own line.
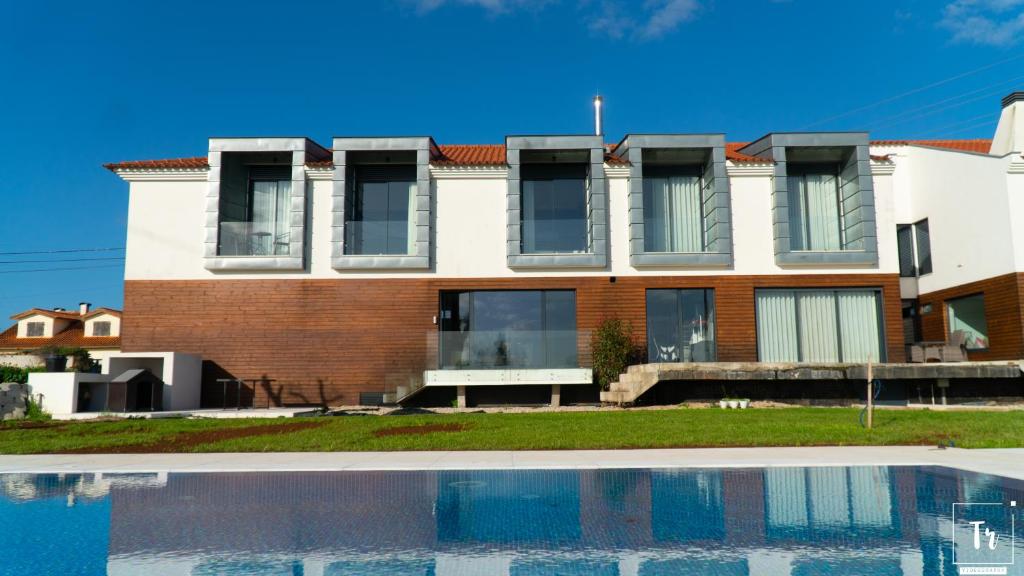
<point x="48" y="324"/>
<point x="964" y="197"/>
<point x="166" y="231"/>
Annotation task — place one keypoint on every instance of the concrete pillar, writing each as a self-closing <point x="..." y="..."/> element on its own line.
<point x="556" y="394"/>
<point x="460" y="396"/>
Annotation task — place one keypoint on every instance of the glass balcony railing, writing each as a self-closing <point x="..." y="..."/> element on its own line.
<point x="562" y="236"/>
<point x="508" y="349"/>
<point x="253" y="239"/>
<point x="377" y="237"/>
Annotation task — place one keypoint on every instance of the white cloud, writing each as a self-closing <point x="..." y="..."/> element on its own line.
<point x="992" y="22"/>
<point x="613" y="18"/>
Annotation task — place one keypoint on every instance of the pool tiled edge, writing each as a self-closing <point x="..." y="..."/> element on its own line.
<point x="1001" y="462"/>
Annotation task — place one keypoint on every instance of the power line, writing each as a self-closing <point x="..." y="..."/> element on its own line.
<point x="988" y="90"/>
<point x="914" y="91"/>
<point x="62" y="251"/>
<point x="944" y="129"/>
<point x="58" y="269"/>
<point x="59" y="260"/>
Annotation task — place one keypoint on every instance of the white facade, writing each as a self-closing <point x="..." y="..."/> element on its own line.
<point x="469" y="228"/>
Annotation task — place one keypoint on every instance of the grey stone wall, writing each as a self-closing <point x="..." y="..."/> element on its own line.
<point x="13" y="400"/>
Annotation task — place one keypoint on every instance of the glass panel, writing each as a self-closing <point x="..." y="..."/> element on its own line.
<point x="681" y="326"/>
<point x="814" y="215"/>
<point x="817" y="325"/>
<point x="377" y="217"/>
<point x="858" y="321"/>
<point x="905" y="247"/>
<point x="35" y="329"/>
<point x="967" y="315"/>
<point x="924" y="247"/>
<point x="508" y="329"/>
<point x="261" y="225"/>
<point x="554" y="215"/>
<point x="673" y="214"/>
<point x="776" y="327"/>
<point x="101" y="328"/>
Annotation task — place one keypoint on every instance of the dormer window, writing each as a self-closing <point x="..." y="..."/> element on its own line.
<point x="256" y="202"/>
<point x="556" y="205"/>
<point x="381" y="203"/>
<point x="35" y="329"/>
<point x="824" y="201"/>
<point x="679" y="199"/>
<point x="101" y="328"/>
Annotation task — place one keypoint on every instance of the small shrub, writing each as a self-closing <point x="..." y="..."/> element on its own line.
<point x="14" y="374"/>
<point x="612" y="350"/>
<point x="83" y="362"/>
<point x="33" y="411"/>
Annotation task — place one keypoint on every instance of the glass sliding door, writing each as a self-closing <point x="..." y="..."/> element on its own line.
<point x="967" y="315"/>
<point x="379" y="213"/>
<point x="815" y="221"/>
<point x="554" y="209"/>
<point x="673" y="209"/>
<point x="255" y="219"/>
<point x="819" y="325"/>
<point x="508" y="329"/>
<point x="681" y="325"/>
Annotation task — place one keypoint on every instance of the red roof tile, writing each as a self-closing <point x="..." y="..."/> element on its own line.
<point x="494" y="155"/>
<point x="72" y="336"/>
<point x="197" y="162"/>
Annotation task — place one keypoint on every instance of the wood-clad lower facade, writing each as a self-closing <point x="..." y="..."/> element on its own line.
<point x="330" y="342"/>
<point x="1003" y="303"/>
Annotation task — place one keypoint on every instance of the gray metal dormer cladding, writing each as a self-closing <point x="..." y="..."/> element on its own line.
<point x="290" y="155"/>
<point x="519" y="150"/>
<point x="347" y="151"/>
<point x="848" y="153"/>
<point x="706" y="153"/>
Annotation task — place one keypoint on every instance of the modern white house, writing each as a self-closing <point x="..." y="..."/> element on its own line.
<point x="375" y="268"/>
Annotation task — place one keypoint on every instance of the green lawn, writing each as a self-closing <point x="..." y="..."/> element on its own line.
<point x="676" y="427"/>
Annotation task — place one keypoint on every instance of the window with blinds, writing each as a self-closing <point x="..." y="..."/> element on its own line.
<point x="843" y="325"/>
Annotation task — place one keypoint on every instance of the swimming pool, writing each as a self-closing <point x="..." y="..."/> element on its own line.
<point x="643" y="522"/>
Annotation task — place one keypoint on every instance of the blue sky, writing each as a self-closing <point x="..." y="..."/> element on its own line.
<point x="93" y="82"/>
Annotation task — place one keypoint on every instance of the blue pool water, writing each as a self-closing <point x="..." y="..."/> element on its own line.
<point x="642" y="522"/>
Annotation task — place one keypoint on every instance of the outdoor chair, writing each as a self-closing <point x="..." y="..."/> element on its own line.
<point x="939" y="351"/>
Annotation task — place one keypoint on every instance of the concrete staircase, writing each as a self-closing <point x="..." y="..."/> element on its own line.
<point x="636" y="380"/>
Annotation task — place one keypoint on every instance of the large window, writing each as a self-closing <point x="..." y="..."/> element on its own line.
<point x="255" y="218"/>
<point x="554" y="208"/>
<point x="924" y="247"/>
<point x="35" y="329"/>
<point x="377" y="215"/>
<point x="815" y="218"/>
<point x="967" y="315"/>
<point x="819" y="325"/>
<point x="673" y="209"/>
<point x="681" y="326"/>
<point x="508" y="329"/>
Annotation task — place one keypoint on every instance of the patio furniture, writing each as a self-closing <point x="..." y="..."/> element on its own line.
<point x="954" y="350"/>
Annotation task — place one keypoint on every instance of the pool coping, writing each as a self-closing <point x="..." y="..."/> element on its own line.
<point x="1007" y="462"/>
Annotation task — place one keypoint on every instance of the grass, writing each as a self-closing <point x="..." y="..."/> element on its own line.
<point x="669" y="428"/>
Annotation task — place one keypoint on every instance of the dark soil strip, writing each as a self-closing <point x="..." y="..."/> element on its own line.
<point x="185" y="441"/>
<point x="418" y="430"/>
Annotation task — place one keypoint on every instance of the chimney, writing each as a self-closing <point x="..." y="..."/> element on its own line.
<point x="1010" y="130"/>
<point x="598" y="128"/>
<point x="83" y="308"/>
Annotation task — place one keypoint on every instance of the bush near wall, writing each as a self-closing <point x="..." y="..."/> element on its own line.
<point x="16" y="373"/>
<point x="612" y="350"/>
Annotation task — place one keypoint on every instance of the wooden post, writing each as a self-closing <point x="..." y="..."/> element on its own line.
<point x="871" y="396"/>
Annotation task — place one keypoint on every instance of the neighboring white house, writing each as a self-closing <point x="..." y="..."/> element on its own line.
<point x="98" y="331"/>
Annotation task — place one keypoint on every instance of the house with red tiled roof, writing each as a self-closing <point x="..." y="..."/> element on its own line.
<point x="386" y="268"/>
<point x="97" y="330"/>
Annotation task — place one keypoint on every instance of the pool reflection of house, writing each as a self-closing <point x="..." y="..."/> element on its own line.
<point x="615" y="522"/>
